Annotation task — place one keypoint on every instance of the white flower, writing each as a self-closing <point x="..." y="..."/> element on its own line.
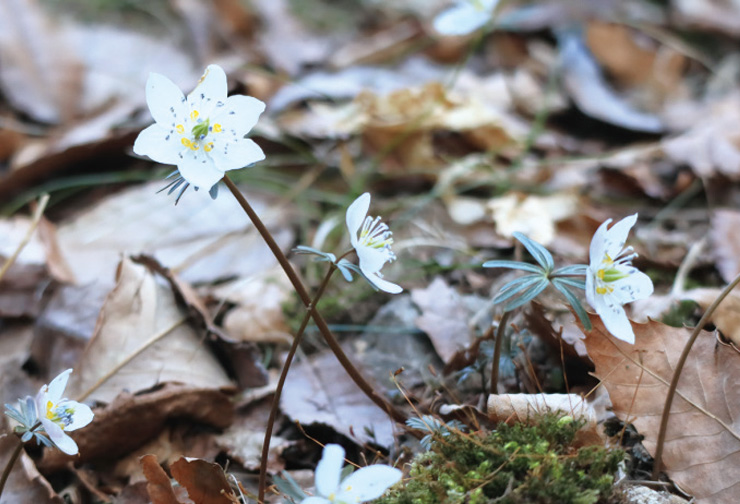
<point x="464" y="17"/>
<point x="59" y="415"/>
<point x="362" y="485"/>
<point x="202" y="134"/>
<point x="611" y="280"/>
<point x="372" y="241"/>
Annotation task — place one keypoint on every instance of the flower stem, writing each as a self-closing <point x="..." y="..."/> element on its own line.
<point x="369" y="391"/>
<point x="281" y="384"/>
<point x="497" y="352"/>
<point x="9" y="466"/>
<point x="677" y="374"/>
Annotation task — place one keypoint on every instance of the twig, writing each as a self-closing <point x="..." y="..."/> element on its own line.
<point x="34" y="224"/>
<point x="9" y="466"/>
<point x="677" y="374"/>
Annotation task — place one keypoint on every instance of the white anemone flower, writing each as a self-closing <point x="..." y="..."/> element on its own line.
<point x="202" y="134"/>
<point x="363" y="485"/>
<point x="372" y="241"/>
<point x="59" y="415"/>
<point x="464" y="17"/>
<point x="612" y="281"/>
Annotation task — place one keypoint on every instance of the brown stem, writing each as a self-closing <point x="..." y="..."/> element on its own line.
<point x="369" y="391"/>
<point x="497" y="352"/>
<point x="281" y="384"/>
<point x="677" y="374"/>
<point x="9" y="465"/>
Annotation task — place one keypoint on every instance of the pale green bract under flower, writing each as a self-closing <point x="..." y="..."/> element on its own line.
<point x="464" y="17"/>
<point x="59" y="415"/>
<point x="363" y="485"/>
<point x="202" y="134"/>
<point x="611" y="280"/>
<point x="372" y="241"/>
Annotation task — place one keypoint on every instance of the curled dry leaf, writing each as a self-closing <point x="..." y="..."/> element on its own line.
<point x="702" y="448"/>
<point x="131" y="420"/>
<point x="158" y="484"/>
<point x="727" y="315"/>
<point x="205" y="481"/>
<point x="141" y="319"/>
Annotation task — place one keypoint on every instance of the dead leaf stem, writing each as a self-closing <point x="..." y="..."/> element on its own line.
<point x="300" y="289"/>
<point x="497" y="352"/>
<point x="677" y="374"/>
<point x="107" y="376"/>
<point x="281" y="383"/>
<point x="34" y="224"/>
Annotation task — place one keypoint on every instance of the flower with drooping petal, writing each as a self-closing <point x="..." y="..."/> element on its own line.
<point x="363" y="485"/>
<point x="202" y="134"/>
<point x="59" y="415"/>
<point x="372" y="241"/>
<point x="464" y="17"/>
<point x="611" y="280"/>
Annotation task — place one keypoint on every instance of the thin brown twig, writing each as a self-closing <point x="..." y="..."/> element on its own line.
<point x="281" y="383"/>
<point x="300" y="289"/>
<point x="677" y="374"/>
<point x="34" y="224"/>
<point x="9" y="466"/>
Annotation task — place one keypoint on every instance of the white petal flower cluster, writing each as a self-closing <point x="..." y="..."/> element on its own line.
<point x="611" y="280"/>
<point x="363" y="485"/>
<point x="464" y="17"/>
<point x="372" y="241"/>
<point x="202" y="134"/>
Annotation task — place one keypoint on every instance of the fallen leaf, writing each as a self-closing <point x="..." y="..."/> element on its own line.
<point x="531" y="215"/>
<point x="205" y="481"/>
<point x="24" y="484"/>
<point x="443" y="317"/>
<point x="727" y="315"/>
<point x="158" y="483"/>
<point x="726" y="242"/>
<point x="131" y="420"/>
<point x="702" y="446"/>
<point x="136" y="311"/>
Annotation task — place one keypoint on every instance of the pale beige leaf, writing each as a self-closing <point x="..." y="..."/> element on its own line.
<point x="702" y="450"/>
<point x="24" y="484"/>
<point x="140" y="307"/>
<point x="726" y="242"/>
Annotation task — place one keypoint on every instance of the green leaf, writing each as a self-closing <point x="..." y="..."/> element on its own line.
<point x="540" y="253"/>
<point x="572" y="270"/>
<point x="574" y="302"/>
<point x="514" y="265"/>
<point x="578" y="283"/>
<point x="512" y="288"/>
<point x="528" y="295"/>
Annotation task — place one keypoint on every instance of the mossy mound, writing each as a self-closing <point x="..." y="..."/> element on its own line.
<point x="514" y="464"/>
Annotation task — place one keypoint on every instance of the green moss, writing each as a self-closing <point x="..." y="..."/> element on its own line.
<point x="514" y="464"/>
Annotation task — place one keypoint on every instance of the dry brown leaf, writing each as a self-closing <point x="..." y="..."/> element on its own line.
<point x="205" y="481"/>
<point x="138" y="309"/>
<point x="534" y="216"/>
<point x="158" y="484"/>
<point x="319" y="391"/>
<point x="24" y="484"/>
<point x="702" y="449"/>
<point x="727" y="315"/>
<point x="726" y="242"/>
<point x="443" y="317"/>
<point x="132" y="420"/>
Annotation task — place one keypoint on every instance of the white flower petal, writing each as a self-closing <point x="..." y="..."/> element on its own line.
<point x="58" y="437"/>
<point x="371" y="259"/>
<point x="315" y="500"/>
<point x="161" y="145"/>
<point x="56" y="387"/>
<point x="210" y="91"/>
<point x="235" y="154"/>
<point x="461" y="19"/>
<point x="329" y="470"/>
<point x="616" y="236"/>
<point x="614" y="318"/>
<point x="636" y="286"/>
<point x="238" y="114"/>
<point x="598" y="245"/>
<point x="356" y="214"/>
<point x="368" y="483"/>
<point x="82" y="415"/>
<point x="382" y="283"/>
<point x="199" y="170"/>
<point x="165" y="100"/>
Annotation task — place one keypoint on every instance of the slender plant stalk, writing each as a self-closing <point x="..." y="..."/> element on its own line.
<point x="281" y="383"/>
<point x="300" y="289"/>
<point x="497" y="352"/>
<point x="9" y="466"/>
<point x="677" y="374"/>
<point x="34" y="224"/>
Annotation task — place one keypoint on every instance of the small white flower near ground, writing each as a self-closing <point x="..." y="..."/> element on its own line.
<point x="363" y="485"/>
<point x="372" y="241"/>
<point x="464" y="17"/>
<point x="202" y="134"/>
<point x="59" y="415"/>
<point x="611" y="280"/>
